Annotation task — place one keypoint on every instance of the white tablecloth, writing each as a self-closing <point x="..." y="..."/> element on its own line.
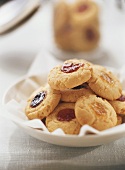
<point x="20" y="151"/>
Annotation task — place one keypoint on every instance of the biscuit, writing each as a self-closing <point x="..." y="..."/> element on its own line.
<point x="61" y="15"/>
<point x="62" y="26"/>
<point x="71" y="95"/>
<point x="42" y="102"/>
<point x="83" y="60"/>
<point x="69" y="75"/>
<point x="96" y="112"/>
<point x="76" y="25"/>
<point x="104" y="83"/>
<point x="123" y="119"/>
<point x="119" y="104"/>
<point x="86" y="38"/>
<point x="63" y="117"/>
<point x="84" y="20"/>
<point x="119" y="120"/>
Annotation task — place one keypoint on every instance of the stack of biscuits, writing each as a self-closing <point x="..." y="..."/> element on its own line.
<point x="76" y="25"/>
<point x="78" y="93"/>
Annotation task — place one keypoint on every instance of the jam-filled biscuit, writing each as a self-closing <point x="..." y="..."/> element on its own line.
<point x="96" y="112"/>
<point x="84" y="20"/>
<point x="63" y="117"/>
<point x="119" y="104"/>
<point x="76" y="25"/>
<point x="71" y="95"/>
<point x="84" y="12"/>
<point x="42" y="102"/>
<point x="104" y="83"/>
<point x="69" y="75"/>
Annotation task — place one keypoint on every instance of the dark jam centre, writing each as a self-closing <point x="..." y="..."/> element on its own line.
<point x="70" y="67"/>
<point x="90" y="34"/>
<point x="122" y="98"/>
<point x="85" y="86"/>
<point x="66" y="115"/>
<point x="38" y="99"/>
<point x="82" y="8"/>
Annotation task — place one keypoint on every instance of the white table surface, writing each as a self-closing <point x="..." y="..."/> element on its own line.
<point x="18" y="50"/>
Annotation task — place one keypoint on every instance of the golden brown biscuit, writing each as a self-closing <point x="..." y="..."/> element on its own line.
<point x="69" y="75"/>
<point x="72" y="95"/>
<point x="119" y="104"/>
<point x="96" y="112"/>
<point x="104" y="83"/>
<point x="42" y="102"/>
<point x="63" y="117"/>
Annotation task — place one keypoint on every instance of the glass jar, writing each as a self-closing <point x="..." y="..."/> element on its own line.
<point x="76" y="25"/>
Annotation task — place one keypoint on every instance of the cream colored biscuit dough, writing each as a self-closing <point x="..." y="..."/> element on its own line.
<point x="119" y="104"/>
<point x="104" y="83"/>
<point x="61" y="80"/>
<point x="55" y="121"/>
<point x="96" y="112"/>
<point x="72" y="95"/>
<point x="39" y="110"/>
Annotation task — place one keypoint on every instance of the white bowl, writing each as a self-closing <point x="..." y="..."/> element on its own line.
<point x="14" y="101"/>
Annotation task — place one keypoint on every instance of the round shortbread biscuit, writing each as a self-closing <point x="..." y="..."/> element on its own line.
<point x="69" y="75"/>
<point x="42" y="102"/>
<point x="63" y="117"/>
<point x="104" y="83"/>
<point x="72" y="95"/>
<point x="119" y="104"/>
<point x="96" y="112"/>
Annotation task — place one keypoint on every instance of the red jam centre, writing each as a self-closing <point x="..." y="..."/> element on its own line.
<point x="38" y="99"/>
<point x="90" y="34"/>
<point x="122" y="98"/>
<point x="70" y="67"/>
<point x="82" y="8"/>
<point x="66" y="115"/>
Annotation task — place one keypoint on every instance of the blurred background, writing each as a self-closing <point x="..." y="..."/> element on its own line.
<point x="20" y="46"/>
<point x="21" y="43"/>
